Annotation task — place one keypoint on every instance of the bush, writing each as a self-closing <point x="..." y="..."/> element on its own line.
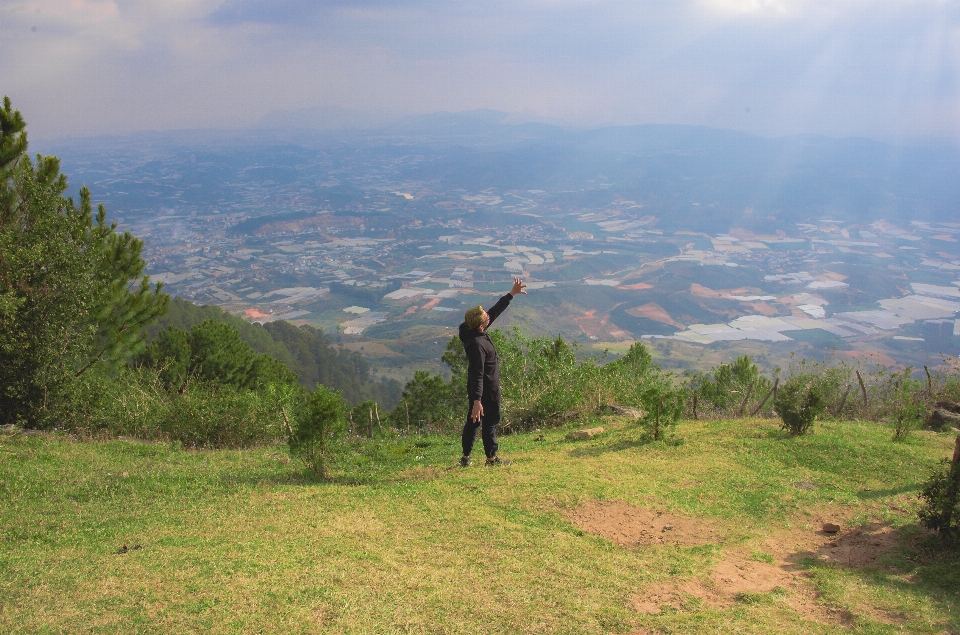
<point x="544" y="381"/>
<point x="798" y="404"/>
<point x="907" y="403"/>
<point x="430" y="402"/>
<point x="318" y="425"/>
<point x="213" y="352"/>
<point x="727" y="387"/>
<point x="364" y="417"/>
<point x="663" y="404"/>
<point x="939" y="501"/>
<point x="135" y="402"/>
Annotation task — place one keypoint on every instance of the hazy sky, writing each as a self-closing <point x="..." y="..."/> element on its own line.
<point x="877" y="68"/>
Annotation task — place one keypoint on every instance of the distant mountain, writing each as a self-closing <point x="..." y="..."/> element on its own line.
<point x="325" y="118"/>
<point x="667" y="167"/>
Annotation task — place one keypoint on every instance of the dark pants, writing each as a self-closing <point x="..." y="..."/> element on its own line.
<point x="488" y="425"/>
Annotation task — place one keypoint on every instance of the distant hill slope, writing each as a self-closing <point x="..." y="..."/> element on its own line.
<point x="307" y="351"/>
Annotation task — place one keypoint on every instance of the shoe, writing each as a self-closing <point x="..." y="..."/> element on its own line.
<point x="464" y="461"/>
<point x="497" y="461"/>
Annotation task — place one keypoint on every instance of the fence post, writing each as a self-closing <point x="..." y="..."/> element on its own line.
<point x="286" y="420"/>
<point x="843" y="401"/>
<point x="863" y="389"/>
<point x="370" y="412"/>
<point x="763" y="402"/>
<point x="746" y="398"/>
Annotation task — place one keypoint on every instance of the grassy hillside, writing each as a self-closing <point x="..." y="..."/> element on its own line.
<point x="611" y="535"/>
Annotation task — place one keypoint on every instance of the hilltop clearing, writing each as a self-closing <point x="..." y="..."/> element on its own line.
<point x="720" y="533"/>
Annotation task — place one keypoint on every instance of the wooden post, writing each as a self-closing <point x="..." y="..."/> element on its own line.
<point x="286" y="420"/>
<point x="746" y="398"/>
<point x="370" y="411"/>
<point x="376" y="411"/>
<point x="929" y="382"/>
<point x="695" y="406"/>
<point x="863" y="389"/>
<point x="763" y="402"/>
<point x="843" y="401"/>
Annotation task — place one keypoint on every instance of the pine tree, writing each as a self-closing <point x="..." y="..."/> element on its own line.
<point x="71" y="291"/>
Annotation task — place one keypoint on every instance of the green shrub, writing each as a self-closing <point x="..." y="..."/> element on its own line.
<point x="135" y="402"/>
<point x="624" y="381"/>
<point x="318" y="426"/>
<point x="939" y="509"/>
<point x="364" y="417"/>
<point x="211" y="351"/>
<point x="727" y="387"/>
<point x="907" y="403"/>
<point x="663" y="404"/>
<point x="430" y="402"/>
<point x="798" y="404"/>
<point x="544" y="381"/>
<point x="221" y="416"/>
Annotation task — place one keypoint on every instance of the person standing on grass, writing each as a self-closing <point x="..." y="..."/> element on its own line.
<point x="483" y="377"/>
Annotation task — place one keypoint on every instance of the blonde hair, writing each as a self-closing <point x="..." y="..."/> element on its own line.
<point x="474" y="316"/>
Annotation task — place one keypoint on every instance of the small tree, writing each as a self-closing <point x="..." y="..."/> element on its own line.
<point x="727" y="386"/>
<point x="798" y="404"/>
<point x="317" y="427"/>
<point x="72" y="293"/>
<point x="663" y="404"/>
<point x="430" y="399"/>
<point x="908" y="406"/>
<point x="940" y="503"/>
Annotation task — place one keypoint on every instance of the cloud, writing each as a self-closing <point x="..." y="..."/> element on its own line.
<point x="860" y="67"/>
<point x="235" y="12"/>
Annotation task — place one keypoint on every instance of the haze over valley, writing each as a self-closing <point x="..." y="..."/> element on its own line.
<point x="703" y="243"/>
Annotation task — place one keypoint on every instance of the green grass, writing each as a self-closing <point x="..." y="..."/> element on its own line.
<point x="400" y="541"/>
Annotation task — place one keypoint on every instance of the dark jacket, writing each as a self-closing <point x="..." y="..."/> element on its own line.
<point x="483" y="373"/>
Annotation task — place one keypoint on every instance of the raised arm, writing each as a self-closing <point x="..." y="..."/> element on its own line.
<point x="518" y="288"/>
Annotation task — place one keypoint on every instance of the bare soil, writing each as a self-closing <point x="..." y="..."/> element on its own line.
<point x="631" y="526"/>
<point x="744" y="571"/>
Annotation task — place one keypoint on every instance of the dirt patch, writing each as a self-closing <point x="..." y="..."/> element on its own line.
<point x="763" y="309"/>
<point x="430" y="304"/>
<point x="638" y="286"/>
<point x="776" y="568"/>
<point x="705" y="292"/>
<point x="738" y="579"/>
<point x="856" y="548"/>
<point x="595" y="327"/>
<point x="631" y="526"/>
<point x="655" y="312"/>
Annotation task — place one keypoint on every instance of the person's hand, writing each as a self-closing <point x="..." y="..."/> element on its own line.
<point x="518" y="287"/>
<point x="476" y="411"/>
